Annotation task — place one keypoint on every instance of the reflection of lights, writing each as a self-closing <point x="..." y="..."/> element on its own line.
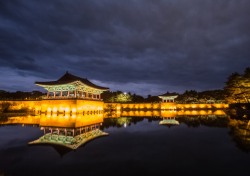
<point x="66" y="109"/>
<point x="125" y="125"/>
<point x="54" y="109"/>
<point x="61" y="109"/>
<point x="49" y="109"/>
<point x="73" y="110"/>
<point x="202" y="112"/>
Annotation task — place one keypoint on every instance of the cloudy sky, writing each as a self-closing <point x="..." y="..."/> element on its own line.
<point x="138" y="46"/>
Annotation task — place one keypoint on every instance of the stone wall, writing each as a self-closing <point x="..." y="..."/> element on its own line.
<point x="162" y="106"/>
<point x="92" y="106"/>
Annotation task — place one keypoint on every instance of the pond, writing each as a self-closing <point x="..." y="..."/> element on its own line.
<point x="146" y="143"/>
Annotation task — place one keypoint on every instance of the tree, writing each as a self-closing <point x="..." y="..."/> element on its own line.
<point x="152" y="99"/>
<point x="238" y="87"/>
<point x="123" y="97"/>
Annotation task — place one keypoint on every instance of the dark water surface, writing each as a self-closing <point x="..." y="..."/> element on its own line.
<point x="140" y="146"/>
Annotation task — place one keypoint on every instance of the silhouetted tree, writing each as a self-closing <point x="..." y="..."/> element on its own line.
<point x="237" y="87"/>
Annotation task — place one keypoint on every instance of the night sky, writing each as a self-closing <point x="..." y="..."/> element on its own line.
<point x="138" y="46"/>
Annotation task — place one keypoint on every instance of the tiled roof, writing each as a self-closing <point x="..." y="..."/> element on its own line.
<point x="68" y="78"/>
<point x="168" y="94"/>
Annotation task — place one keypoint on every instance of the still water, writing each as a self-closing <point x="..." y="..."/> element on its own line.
<point x="141" y="143"/>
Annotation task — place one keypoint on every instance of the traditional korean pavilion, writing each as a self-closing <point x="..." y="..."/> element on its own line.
<point x="71" y="86"/>
<point x="168" y="97"/>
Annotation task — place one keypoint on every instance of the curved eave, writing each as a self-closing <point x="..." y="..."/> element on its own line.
<point x="170" y="96"/>
<point x="55" y="83"/>
<point x="82" y="139"/>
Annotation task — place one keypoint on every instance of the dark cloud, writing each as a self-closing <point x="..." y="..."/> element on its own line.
<point x="141" y="46"/>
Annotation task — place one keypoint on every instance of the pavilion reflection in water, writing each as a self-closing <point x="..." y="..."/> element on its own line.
<point x="72" y="131"/>
<point x="169" y="121"/>
<point x="69" y="131"/>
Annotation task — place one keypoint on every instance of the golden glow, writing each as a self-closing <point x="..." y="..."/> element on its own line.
<point x="73" y="110"/>
<point x="194" y="106"/>
<point x="54" y="109"/>
<point x="90" y="106"/>
<point x="72" y="121"/>
<point x="66" y="109"/>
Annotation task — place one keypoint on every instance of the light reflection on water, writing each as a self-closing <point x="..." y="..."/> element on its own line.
<point x="137" y="144"/>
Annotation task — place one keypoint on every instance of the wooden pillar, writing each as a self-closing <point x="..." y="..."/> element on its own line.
<point x="61" y="94"/>
<point x="54" y="94"/>
<point x="68" y="94"/>
<point x="75" y="92"/>
<point x="48" y="94"/>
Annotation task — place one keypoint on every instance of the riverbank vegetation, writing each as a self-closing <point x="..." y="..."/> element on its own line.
<point x="236" y="90"/>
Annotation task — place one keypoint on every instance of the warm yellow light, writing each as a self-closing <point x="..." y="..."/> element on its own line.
<point x="66" y="109"/>
<point x="193" y="106"/>
<point x="61" y="109"/>
<point x="49" y="109"/>
<point x="54" y="109"/>
<point x="202" y="106"/>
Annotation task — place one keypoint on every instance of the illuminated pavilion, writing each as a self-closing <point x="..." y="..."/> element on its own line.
<point x="71" y="86"/>
<point x="168" y="97"/>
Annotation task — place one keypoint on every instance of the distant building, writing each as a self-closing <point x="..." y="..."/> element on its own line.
<point x="71" y="86"/>
<point x="168" y="97"/>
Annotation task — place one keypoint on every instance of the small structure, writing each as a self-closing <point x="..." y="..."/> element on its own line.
<point x="71" y="86"/>
<point x="70" y="132"/>
<point x="169" y="121"/>
<point x="71" y="142"/>
<point x="168" y="97"/>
